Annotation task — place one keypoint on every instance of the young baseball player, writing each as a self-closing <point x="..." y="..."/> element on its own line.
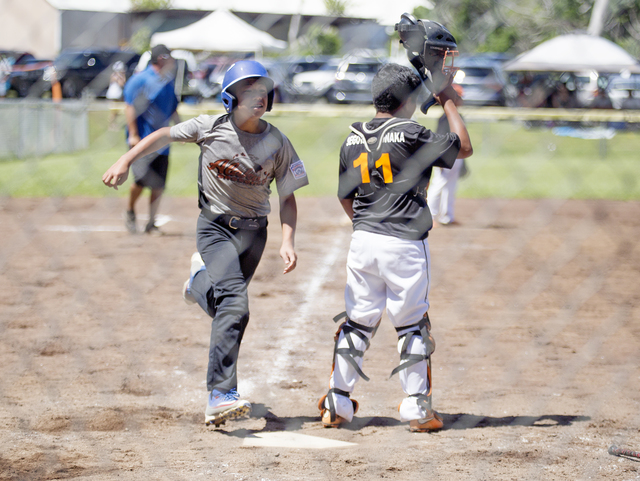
<point x="385" y="165"/>
<point x="241" y="155"/>
<point x="441" y="195"/>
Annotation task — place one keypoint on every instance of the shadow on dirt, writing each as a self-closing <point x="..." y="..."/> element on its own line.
<point x="471" y="421"/>
<point x="451" y="421"/>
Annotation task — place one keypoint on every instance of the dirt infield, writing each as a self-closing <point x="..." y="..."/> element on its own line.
<point x="535" y="312"/>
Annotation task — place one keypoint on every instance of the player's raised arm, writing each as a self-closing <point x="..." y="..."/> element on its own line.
<point x="117" y="174"/>
<point x="447" y="98"/>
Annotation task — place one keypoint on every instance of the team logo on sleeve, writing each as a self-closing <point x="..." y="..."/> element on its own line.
<point x="297" y="169"/>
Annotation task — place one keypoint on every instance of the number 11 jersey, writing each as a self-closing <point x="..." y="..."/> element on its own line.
<point x="385" y="167"/>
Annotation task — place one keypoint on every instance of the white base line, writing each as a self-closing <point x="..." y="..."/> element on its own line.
<point x="83" y="228"/>
<point x="160" y="221"/>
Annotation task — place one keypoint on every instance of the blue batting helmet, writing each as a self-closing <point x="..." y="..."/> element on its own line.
<point x="239" y="71"/>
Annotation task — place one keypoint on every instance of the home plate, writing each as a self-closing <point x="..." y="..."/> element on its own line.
<point x="291" y="440"/>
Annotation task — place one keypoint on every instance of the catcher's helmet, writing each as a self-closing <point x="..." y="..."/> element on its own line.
<point x="241" y="70"/>
<point x="430" y="48"/>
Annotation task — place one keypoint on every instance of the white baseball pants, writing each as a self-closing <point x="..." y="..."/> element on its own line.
<point x="392" y="274"/>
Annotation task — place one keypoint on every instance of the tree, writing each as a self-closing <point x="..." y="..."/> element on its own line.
<point x="321" y="41"/>
<point x="491" y="25"/>
<point x="329" y="43"/>
<point x="140" y="41"/>
<point x="622" y="25"/>
<point x="150" y="5"/>
<point x="519" y="25"/>
<point x="336" y="8"/>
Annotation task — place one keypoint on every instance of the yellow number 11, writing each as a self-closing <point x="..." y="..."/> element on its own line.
<point x="363" y="162"/>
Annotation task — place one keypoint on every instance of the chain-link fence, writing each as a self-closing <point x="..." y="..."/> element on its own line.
<point x="534" y="307"/>
<point x="35" y="128"/>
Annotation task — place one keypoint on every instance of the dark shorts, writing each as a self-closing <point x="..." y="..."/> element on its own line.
<point x="151" y="171"/>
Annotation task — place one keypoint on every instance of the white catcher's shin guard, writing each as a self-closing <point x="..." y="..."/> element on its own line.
<point x="415" y="348"/>
<point x="352" y="340"/>
<point x="416" y="380"/>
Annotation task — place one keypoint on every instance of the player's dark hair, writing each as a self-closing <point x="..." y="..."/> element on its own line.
<point x="393" y="85"/>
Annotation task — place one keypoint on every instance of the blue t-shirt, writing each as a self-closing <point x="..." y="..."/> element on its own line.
<point x="154" y="100"/>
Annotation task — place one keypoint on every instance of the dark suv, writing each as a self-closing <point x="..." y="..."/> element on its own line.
<point x="90" y="70"/>
<point x="483" y="81"/>
<point x="77" y="71"/>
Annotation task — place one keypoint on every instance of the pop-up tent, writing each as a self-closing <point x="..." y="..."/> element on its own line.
<point x="575" y="53"/>
<point x="220" y="31"/>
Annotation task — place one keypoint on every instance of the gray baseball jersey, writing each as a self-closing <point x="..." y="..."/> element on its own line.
<point x="237" y="168"/>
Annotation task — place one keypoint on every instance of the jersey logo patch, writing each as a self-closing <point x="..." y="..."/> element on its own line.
<point x="236" y="171"/>
<point x="372" y="140"/>
<point x="297" y="169"/>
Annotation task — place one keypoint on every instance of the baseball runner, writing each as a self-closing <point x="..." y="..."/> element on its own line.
<point x="241" y="155"/>
<point x="385" y="165"/>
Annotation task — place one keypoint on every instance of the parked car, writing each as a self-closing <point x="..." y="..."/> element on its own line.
<point x="15" y="57"/>
<point x="25" y="76"/>
<point x="587" y="83"/>
<point x="277" y="72"/>
<point x="90" y="70"/>
<point x="624" y="91"/>
<point x="17" y="61"/>
<point x="77" y="71"/>
<point x="210" y="73"/>
<point x="483" y="81"/>
<point x="314" y="84"/>
<point x="289" y="67"/>
<point x="339" y="81"/>
<point x="353" y="80"/>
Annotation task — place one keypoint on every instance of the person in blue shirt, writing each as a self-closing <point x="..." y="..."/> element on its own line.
<point x="150" y="103"/>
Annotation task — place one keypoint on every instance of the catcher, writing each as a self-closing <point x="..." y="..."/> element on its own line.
<point x="385" y="166"/>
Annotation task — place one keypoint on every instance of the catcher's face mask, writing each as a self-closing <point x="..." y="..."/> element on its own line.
<point x="443" y="60"/>
<point x="447" y="64"/>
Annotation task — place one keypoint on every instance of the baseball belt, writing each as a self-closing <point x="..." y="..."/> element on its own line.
<point x="235" y="222"/>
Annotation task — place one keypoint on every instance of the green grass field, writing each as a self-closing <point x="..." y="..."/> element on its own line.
<point x="510" y="161"/>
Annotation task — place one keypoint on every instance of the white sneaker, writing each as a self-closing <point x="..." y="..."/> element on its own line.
<point x="197" y="265"/>
<point x="224" y="406"/>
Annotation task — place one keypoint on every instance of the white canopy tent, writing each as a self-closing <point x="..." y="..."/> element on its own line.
<point x="220" y="31"/>
<point x="575" y="53"/>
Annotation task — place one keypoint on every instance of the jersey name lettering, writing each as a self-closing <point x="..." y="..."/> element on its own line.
<point x="354" y="140"/>
<point x="389" y="137"/>
<point x="393" y="137"/>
